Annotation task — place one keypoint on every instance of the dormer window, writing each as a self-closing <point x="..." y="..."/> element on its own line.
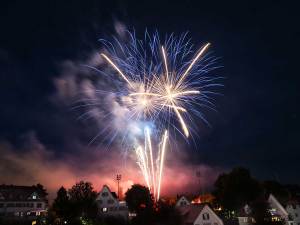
<point x="34" y="196"/>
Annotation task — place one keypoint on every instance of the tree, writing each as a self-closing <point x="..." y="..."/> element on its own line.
<point x="83" y="200"/>
<point x="138" y="198"/>
<point x="237" y="188"/>
<point x="167" y="214"/>
<point x="277" y="189"/>
<point x="61" y="204"/>
<point x="42" y="189"/>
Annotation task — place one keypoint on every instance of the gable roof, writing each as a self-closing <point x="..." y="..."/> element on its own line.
<point x="20" y="193"/>
<point x="191" y="212"/>
<point x="183" y="198"/>
<point x="105" y="187"/>
<point x="273" y="200"/>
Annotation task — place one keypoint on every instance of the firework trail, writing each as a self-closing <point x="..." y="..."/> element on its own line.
<point x="164" y="84"/>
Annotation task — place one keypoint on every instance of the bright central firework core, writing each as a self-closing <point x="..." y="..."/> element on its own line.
<point x="156" y="87"/>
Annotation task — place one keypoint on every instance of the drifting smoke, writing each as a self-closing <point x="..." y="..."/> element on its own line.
<point x="34" y="163"/>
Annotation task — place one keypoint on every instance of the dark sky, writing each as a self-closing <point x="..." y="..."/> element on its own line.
<point x="258" y="120"/>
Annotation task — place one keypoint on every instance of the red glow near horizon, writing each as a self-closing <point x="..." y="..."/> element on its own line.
<point x="98" y="167"/>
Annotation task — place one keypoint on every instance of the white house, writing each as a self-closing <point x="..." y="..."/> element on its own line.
<point x="22" y="201"/>
<point x="109" y="204"/>
<point x="199" y="214"/>
<point x="277" y="210"/>
<point x="293" y="209"/>
<point x="244" y="216"/>
<point x="182" y="201"/>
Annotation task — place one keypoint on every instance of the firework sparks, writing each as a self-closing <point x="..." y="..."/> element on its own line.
<point x="162" y="92"/>
<point x="153" y="174"/>
<point x="163" y="89"/>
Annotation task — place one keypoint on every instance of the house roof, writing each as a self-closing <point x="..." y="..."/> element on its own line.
<point x="191" y="212"/>
<point x="112" y="192"/>
<point x="20" y="193"/>
<point x="273" y="200"/>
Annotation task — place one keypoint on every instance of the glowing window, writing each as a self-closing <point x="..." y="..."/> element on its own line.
<point x="104" y="209"/>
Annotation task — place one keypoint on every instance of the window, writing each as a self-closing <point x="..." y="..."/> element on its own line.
<point x="110" y="201"/>
<point x="39" y="205"/>
<point x="10" y="205"/>
<point x="104" y="194"/>
<point x="1" y="205"/>
<point x="182" y="203"/>
<point x="104" y="209"/>
<point x="100" y="202"/>
<point x="296" y="214"/>
<point x="205" y="216"/>
<point x="34" y="196"/>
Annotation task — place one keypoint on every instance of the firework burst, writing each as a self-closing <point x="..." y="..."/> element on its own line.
<point x="164" y="84"/>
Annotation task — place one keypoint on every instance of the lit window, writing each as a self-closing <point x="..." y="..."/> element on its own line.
<point x="104" y="209"/>
<point x="34" y="196"/>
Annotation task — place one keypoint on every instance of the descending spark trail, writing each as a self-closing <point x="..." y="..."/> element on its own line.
<point x="145" y="159"/>
<point x="151" y="160"/>
<point x="161" y="161"/>
<point x="161" y="86"/>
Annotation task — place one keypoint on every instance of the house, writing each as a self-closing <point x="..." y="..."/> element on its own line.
<point x="277" y="210"/>
<point x="244" y="216"/>
<point x="109" y="204"/>
<point x="22" y="201"/>
<point x="182" y="201"/>
<point x="293" y="209"/>
<point x="199" y="214"/>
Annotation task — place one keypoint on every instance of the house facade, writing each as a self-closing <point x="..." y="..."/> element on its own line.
<point x="109" y="204"/>
<point x="182" y="201"/>
<point x="290" y="214"/>
<point x="244" y="216"/>
<point x="22" y="201"/>
<point x="293" y="209"/>
<point x="199" y="214"/>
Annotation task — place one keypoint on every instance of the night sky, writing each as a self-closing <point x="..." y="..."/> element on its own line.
<point x="257" y="123"/>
